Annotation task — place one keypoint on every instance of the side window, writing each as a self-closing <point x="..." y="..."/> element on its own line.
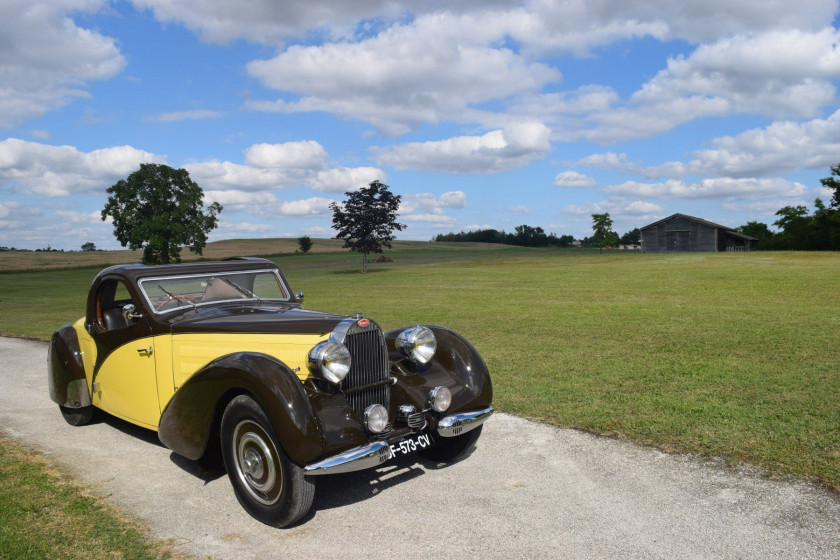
<point x="112" y="297"/>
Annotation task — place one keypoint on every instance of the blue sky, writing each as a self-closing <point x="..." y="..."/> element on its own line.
<point x="479" y="113"/>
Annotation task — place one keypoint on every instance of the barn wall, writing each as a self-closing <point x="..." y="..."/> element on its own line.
<point x="679" y="235"/>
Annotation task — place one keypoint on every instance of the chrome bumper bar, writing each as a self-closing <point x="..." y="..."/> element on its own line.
<point x="376" y="453"/>
<point x="458" y="424"/>
<point x="356" y="459"/>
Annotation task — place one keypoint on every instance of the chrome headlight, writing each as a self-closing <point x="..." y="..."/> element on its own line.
<point x="331" y="360"/>
<point x="376" y="418"/>
<point x="439" y="399"/>
<point x="418" y="344"/>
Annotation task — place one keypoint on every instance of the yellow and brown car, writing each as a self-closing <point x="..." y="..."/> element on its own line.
<point x="221" y="359"/>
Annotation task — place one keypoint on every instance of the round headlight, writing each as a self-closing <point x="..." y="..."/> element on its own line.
<point x="376" y="418"/>
<point x="440" y="398"/>
<point x="418" y="344"/>
<point x="331" y="360"/>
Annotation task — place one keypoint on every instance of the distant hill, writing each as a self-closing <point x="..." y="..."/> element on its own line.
<point x="16" y="261"/>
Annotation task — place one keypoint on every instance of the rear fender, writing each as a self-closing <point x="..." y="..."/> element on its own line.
<point x="66" y="370"/>
<point x="187" y="420"/>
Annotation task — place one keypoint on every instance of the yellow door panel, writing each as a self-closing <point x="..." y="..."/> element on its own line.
<point x="191" y="352"/>
<point x="126" y="384"/>
<point x="163" y="365"/>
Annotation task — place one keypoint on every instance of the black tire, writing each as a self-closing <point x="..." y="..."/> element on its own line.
<point x="449" y="449"/>
<point x="77" y="416"/>
<point x="267" y="484"/>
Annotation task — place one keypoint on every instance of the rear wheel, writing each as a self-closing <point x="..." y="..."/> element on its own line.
<point x="451" y="448"/>
<point x="77" y="416"/>
<point x="267" y="484"/>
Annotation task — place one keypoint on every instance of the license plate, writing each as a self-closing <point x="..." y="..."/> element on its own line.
<point x="410" y="445"/>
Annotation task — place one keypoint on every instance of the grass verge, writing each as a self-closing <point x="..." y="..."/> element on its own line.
<point x="44" y="515"/>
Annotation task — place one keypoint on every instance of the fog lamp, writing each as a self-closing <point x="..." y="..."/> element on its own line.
<point x="440" y="398"/>
<point x="376" y="418"/>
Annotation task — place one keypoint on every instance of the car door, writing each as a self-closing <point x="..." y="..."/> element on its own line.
<point x="124" y="377"/>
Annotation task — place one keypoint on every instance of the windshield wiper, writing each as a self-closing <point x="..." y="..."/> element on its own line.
<point x="242" y="290"/>
<point x="176" y="298"/>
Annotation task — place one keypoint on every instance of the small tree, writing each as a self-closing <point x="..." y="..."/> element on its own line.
<point x="304" y="243"/>
<point x="602" y="228"/>
<point x="89" y="246"/>
<point x="367" y="219"/>
<point x="160" y="209"/>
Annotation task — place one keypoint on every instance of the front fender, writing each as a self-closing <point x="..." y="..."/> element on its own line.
<point x="187" y="420"/>
<point x="66" y="370"/>
<point x="455" y="357"/>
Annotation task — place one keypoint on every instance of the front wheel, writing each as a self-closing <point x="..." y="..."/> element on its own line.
<point x="77" y="416"/>
<point x="449" y="449"/>
<point x="267" y="484"/>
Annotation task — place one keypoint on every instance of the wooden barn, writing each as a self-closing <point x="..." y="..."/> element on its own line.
<point x="686" y="234"/>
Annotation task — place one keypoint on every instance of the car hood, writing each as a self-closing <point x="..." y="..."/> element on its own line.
<point x="254" y="318"/>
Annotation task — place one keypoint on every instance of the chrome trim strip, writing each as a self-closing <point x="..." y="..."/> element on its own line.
<point x="339" y="333"/>
<point x="356" y="459"/>
<point x="461" y="423"/>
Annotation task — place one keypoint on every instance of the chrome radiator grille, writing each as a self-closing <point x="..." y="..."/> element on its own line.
<point x="369" y="365"/>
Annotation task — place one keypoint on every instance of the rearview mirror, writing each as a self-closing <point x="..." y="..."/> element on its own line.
<point x="129" y="313"/>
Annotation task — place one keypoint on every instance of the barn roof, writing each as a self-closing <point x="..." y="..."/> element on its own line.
<point x="727" y="229"/>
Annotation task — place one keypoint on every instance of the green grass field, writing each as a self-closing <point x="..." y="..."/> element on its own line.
<point x="733" y="355"/>
<point x="43" y="514"/>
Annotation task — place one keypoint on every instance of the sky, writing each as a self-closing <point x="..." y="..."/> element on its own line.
<point x="479" y="113"/>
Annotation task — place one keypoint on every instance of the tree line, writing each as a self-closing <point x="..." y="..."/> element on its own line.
<point x="535" y="236"/>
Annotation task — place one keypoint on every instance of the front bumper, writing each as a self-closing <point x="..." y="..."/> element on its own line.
<point x="375" y="453"/>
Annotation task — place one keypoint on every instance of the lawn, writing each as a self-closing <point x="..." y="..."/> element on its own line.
<point x="43" y="514"/>
<point x="731" y="354"/>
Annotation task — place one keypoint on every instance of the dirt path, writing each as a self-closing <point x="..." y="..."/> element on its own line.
<point x="528" y="490"/>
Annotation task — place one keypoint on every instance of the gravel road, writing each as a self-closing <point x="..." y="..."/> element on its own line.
<point x="527" y="491"/>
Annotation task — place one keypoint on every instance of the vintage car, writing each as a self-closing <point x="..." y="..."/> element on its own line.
<point x="221" y="359"/>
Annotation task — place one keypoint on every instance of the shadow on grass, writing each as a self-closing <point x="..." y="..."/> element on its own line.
<point x="359" y="272"/>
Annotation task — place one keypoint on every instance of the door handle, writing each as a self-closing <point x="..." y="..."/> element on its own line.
<point x="147" y="351"/>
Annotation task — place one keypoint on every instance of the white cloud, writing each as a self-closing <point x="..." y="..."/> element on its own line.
<point x="425" y="207"/>
<point x="715" y="188"/>
<point x="782" y="147"/>
<point x="567" y="25"/>
<point x="453" y="199"/>
<point x="307" y="154"/>
<point x="493" y="152"/>
<point x="46" y="60"/>
<point x="225" y="175"/>
<point x="267" y="204"/>
<point x="63" y="170"/>
<point x="271" y="21"/>
<point x="777" y="73"/>
<point x="74" y="217"/>
<point x="244" y="227"/>
<point x="192" y="115"/>
<point x="343" y="179"/>
<point x="573" y="179"/>
<point x="424" y="71"/>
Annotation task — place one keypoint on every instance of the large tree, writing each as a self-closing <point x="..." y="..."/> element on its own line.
<point x="367" y="219"/>
<point x="160" y="209"/>
<point x="603" y="234"/>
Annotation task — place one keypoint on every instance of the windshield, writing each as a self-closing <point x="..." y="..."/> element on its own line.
<point x="177" y="292"/>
